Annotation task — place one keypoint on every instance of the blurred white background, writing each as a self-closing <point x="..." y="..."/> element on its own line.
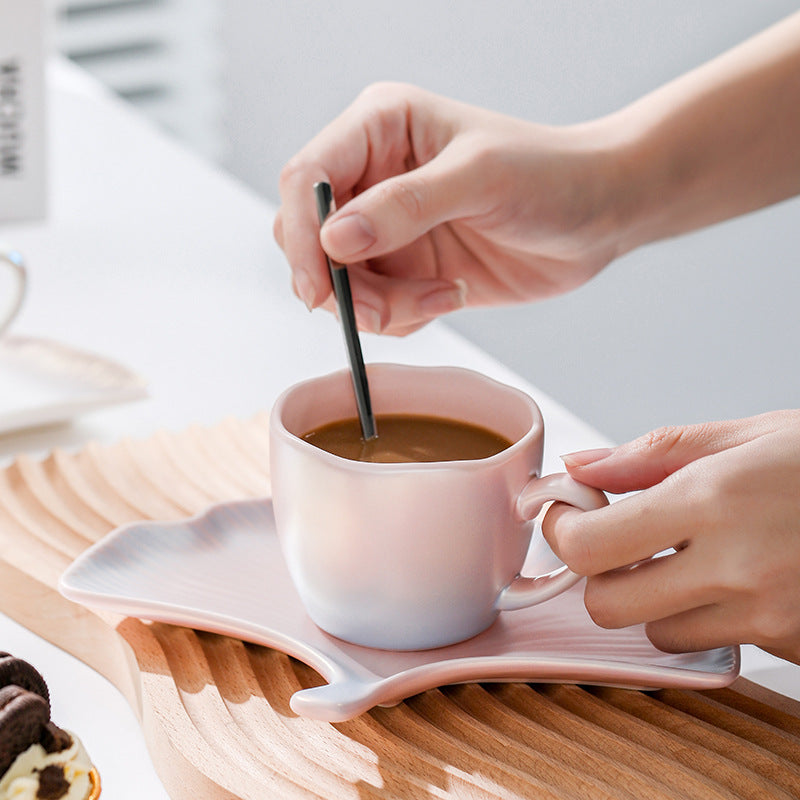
<point x="702" y="327"/>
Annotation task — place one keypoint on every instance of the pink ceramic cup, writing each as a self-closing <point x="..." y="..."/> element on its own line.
<point x="422" y="555"/>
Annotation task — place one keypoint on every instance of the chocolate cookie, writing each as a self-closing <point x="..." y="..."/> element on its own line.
<point x="16" y="672"/>
<point x="23" y="715"/>
<point x="54" y="739"/>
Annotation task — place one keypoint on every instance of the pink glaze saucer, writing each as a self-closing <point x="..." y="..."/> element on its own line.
<point x="223" y="572"/>
<point x="46" y="382"/>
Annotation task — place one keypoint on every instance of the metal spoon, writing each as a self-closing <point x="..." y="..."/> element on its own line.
<point x="344" y="302"/>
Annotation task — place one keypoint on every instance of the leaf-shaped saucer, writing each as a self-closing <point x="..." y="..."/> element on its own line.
<point x="223" y="571"/>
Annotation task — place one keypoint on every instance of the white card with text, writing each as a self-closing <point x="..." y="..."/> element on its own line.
<point x="23" y="172"/>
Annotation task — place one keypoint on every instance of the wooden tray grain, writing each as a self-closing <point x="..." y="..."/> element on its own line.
<point x="215" y="711"/>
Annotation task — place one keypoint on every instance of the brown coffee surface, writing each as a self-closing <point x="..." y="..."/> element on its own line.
<point x="404" y="438"/>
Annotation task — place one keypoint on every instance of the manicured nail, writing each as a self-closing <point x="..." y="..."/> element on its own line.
<point x="304" y="288"/>
<point x="443" y="301"/>
<point x="368" y="318"/>
<point x="585" y="457"/>
<point x="348" y="235"/>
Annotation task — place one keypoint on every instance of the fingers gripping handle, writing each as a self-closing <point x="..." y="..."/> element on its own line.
<point x="523" y="591"/>
<point x="559" y="486"/>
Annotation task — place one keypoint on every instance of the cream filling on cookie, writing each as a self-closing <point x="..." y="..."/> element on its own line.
<point x="21" y="781"/>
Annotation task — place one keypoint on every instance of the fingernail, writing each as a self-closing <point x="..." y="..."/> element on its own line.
<point x="348" y="236"/>
<point x="443" y="301"/>
<point x="585" y="457"/>
<point x="304" y="288"/>
<point x="368" y="318"/>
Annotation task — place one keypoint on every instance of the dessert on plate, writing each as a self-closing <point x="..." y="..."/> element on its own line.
<point x="38" y="760"/>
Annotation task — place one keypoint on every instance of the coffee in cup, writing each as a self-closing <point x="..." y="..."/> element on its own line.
<point x="405" y="438"/>
<point x="408" y="555"/>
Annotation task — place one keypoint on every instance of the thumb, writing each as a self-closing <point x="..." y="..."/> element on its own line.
<point x="649" y="459"/>
<point x="397" y="211"/>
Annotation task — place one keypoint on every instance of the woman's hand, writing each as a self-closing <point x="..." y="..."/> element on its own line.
<point x="443" y="205"/>
<point x="726" y="496"/>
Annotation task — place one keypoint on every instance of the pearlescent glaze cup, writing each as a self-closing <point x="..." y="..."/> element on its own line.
<point x="420" y="555"/>
<point x="12" y="285"/>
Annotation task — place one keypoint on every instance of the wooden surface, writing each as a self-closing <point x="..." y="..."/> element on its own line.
<point x="215" y="711"/>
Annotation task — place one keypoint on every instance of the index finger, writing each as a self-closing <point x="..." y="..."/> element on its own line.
<point x="632" y="529"/>
<point x="367" y="143"/>
<point x="339" y="155"/>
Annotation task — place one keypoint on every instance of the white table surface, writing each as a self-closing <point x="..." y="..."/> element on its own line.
<point x="159" y="260"/>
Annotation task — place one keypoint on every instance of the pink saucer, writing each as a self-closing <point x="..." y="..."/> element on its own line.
<point x="223" y="572"/>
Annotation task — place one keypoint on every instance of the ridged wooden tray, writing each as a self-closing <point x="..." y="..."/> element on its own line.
<point x="215" y="711"/>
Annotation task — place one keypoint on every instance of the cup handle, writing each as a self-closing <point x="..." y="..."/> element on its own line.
<point x="13" y="259"/>
<point x="524" y="591"/>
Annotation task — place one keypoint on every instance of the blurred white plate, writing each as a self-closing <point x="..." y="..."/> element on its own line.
<point x="223" y="571"/>
<point x="43" y="382"/>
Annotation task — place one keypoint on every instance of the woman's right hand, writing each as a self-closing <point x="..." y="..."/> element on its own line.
<point x="442" y="205"/>
<point x="725" y="496"/>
